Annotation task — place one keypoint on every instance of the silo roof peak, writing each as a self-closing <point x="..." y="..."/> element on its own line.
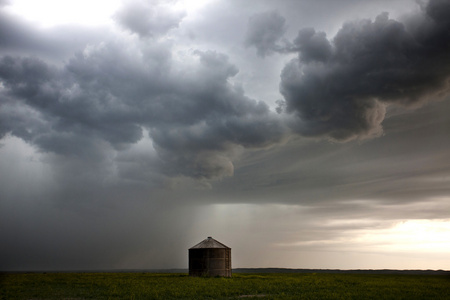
<point x="210" y="243"/>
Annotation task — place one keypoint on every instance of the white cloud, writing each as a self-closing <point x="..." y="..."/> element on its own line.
<point x="48" y="13"/>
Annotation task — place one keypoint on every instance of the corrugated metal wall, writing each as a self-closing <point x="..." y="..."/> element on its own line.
<point x="210" y="262"/>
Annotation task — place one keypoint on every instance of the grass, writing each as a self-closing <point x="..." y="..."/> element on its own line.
<point x="76" y="286"/>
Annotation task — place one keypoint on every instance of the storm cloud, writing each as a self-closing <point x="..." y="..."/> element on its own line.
<point x="107" y="94"/>
<point x="340" y="88"/>
<point x="149" y="19"/>
<point x="264" y="32"/>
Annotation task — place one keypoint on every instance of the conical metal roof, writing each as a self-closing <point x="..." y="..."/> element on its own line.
<point x="210" y="243"/>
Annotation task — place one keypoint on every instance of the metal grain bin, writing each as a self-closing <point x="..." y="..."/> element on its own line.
<point x="210" y="258"/>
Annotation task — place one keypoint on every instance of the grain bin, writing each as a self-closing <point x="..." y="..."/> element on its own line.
<point x="210" y="258"/>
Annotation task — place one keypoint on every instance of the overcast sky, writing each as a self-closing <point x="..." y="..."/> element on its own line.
<point x="300" y="133"/>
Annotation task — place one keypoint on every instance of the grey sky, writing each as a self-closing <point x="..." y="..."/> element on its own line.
<point x="315" y="131"/>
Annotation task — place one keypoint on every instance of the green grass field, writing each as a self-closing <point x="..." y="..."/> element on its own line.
<point x="74" y="286"/>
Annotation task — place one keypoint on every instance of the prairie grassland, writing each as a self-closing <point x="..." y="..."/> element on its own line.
<point x="76" y="286"/>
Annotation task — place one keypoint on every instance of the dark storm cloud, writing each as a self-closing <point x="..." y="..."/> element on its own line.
<point x="265" y="31"/>
<point x="340" y="88"/>
<point x="223" y="117"/>
<point x="149" y="18"/>
<point x="105" y="95"/>
<point x="312" y="45"/>
<point x="67" y="119"/>
<point x="16" y="35"/>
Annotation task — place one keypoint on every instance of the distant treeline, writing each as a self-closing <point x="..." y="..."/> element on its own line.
<point x="253" y="270"/>
<point x="366" y="271"/>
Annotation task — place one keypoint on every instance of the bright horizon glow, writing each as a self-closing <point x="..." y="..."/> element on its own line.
<point x="409" y="236"/>
<point x="419" y="236"/>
